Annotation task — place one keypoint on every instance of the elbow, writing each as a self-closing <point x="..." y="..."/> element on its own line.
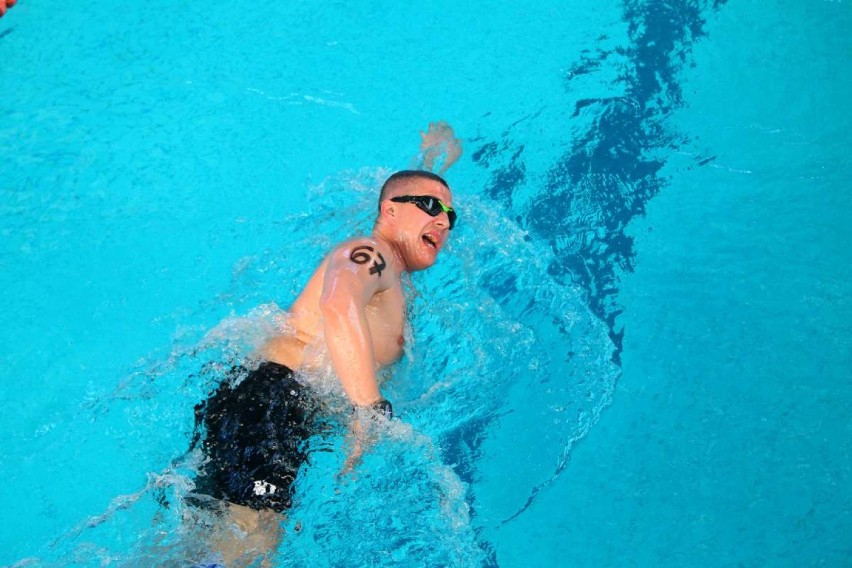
<point x="335" y="306"/>
<point x="339" y="301"/>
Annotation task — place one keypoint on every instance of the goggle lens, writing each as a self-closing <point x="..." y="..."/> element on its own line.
<point x="430" y="205"/>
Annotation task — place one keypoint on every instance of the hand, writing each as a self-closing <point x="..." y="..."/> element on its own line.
<point x="5" y="5"/>
<point x="356" y="441"/>
<point x="365" y="426"/>
<point x="439" y="142"/>
<point x="353" y="459"/>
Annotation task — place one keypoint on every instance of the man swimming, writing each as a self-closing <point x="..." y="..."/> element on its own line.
<point x="351" y="311"/>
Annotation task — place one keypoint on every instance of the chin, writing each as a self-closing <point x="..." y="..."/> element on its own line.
<point x="417" y="264"/>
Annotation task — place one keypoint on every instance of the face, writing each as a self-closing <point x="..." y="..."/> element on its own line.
<point x="420" y="236"/>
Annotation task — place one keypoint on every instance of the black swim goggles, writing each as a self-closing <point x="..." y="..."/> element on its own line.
<point x="431" y="205"/>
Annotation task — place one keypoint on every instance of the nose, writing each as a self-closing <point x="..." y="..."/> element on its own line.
<point x="443" y="220"/>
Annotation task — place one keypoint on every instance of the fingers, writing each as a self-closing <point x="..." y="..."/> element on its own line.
<point x="439" y="141"/>
<point x="443" y="127"/>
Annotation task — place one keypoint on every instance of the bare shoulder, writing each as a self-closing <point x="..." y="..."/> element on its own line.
<point x="368" y="245"/>
<point x="364" y="255"/>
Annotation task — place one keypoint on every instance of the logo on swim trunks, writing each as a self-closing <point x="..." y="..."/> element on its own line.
<point x="264" y="488"/>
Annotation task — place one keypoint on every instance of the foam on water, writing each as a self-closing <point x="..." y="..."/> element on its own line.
<point x="505" y="370"/>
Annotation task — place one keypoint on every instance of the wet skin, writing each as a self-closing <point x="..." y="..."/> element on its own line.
<point x="353" y="307"/>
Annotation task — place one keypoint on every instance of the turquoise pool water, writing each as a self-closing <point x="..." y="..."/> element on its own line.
<point x="635" y="352"/>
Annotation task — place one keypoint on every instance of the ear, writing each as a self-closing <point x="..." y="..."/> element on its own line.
<point x="389" y="208"/>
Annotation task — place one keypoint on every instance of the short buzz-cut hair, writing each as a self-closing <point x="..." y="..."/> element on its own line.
<point x="405" y="175"/>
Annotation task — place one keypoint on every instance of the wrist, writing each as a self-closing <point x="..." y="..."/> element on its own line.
<point x="383" y="407"/>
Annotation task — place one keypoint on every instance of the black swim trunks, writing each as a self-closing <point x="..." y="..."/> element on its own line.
<point x="254" y="436"/>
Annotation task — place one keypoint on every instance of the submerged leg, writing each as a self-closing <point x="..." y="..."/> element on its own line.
<point x="245" y="535"/>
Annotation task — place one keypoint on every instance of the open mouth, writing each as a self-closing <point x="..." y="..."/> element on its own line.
<point x="430" y="240"/>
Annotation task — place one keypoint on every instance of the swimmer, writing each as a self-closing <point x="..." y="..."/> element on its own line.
<point x="5" y="5"/>
<point x="352" y="310"/>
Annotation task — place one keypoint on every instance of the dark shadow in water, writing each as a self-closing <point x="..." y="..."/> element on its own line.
<point x="614" y="165"/>
<point x="4" y="33"/>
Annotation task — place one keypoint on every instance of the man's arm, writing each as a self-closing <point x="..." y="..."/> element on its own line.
<point x="439" y="146"/>
<point x="5" y="4"/>
<point x="353" y="275"/>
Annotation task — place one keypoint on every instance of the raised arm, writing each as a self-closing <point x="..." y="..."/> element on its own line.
<point x="5" y="5"/>
<point x="439" y="147"/>
<point x="355" y="272"/>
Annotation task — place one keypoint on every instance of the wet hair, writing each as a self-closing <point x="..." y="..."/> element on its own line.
<point x="405" y="175"/>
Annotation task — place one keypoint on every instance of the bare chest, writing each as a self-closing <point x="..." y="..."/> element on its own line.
<point x="386" y="320"/>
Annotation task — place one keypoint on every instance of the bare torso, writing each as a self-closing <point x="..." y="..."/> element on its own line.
<point x="302" y="348"/>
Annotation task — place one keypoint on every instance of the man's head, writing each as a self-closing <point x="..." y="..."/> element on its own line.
<point x="415" y="210"/>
